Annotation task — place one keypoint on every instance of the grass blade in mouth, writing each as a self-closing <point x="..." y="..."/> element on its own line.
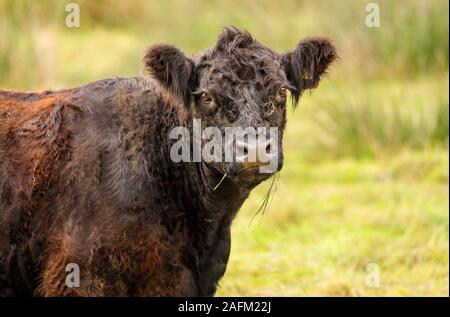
<point x="218" y="184"/>
<point x="267" y="198"/>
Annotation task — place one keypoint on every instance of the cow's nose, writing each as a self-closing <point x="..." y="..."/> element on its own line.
<point x="256" y="153"/>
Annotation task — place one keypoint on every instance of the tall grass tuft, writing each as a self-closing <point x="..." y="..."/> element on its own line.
<point x="379" y="120"/>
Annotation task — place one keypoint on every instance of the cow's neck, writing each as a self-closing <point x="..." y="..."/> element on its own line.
<point x="210" y="214"/>
<point x="207" y="212"/>
<point x="208" y="201"/>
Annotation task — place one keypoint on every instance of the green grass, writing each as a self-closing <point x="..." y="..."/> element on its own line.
<point x="412" y="39"/>
<point x="372" y="119"/>
<point x="365" y="181"/>
<point x="366" y="173"/>
<point x="327" y="221"/>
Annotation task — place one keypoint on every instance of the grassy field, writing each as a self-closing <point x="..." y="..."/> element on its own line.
<point x="329" y="220"/>
<point x="366" y="174"/>
<point x="382" y="198"/>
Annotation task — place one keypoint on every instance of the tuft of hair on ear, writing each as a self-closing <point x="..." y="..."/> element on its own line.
<point x="171" y="68"/>
<point x="231" y="38"/>
<point x="307" y="63"/>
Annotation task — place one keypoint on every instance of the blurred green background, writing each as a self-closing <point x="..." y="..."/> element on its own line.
<point x="366" y="173"/>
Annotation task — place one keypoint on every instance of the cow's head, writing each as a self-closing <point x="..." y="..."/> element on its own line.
<point x="243" y="84"/>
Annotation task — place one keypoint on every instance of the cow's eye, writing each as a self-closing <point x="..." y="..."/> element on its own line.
<point x="206" y="98"/>
<point x="282" y="92"/>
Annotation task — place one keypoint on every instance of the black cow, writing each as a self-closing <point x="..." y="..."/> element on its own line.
<point x="86" y="174"/>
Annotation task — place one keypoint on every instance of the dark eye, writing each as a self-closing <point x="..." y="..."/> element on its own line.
<point x="206" y="98"/>
<point x="282" y="92"/>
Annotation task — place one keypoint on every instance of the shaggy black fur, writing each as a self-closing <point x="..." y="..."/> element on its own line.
<point x="86" y="177"/>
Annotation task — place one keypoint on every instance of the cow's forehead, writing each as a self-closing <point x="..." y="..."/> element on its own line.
<point x="253" y="64"/>
<point x="253" y="52"/>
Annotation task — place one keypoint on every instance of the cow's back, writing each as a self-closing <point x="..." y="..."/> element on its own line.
<point x="39" y="131"/>
<point x="51" y="147"/>
<point x="35" y="132"/>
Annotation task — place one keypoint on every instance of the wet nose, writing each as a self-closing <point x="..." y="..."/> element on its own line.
<point x="256" y="153"/>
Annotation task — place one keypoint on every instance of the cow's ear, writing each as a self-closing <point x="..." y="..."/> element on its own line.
<point x="171" y="68"/>
<point x="306" y="64"/>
